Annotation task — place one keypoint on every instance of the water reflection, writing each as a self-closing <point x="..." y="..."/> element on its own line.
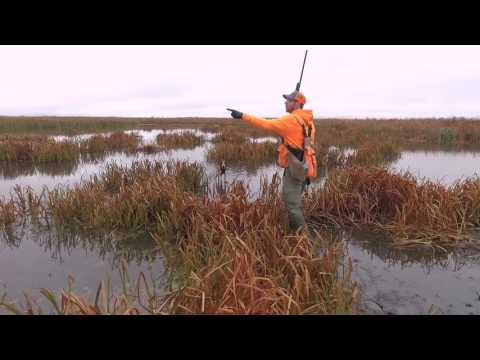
<point x="30" y="258"/>
<point x="11" y="236"/>
<point x="444" y="167"/>
<point x="33" y="258"/>
<point x="60" y="243"/>
<point x="380" y="245"/>
<point x="411" y="281"/>
<point x="149" y="136"/>
<point x="10" y="170"/>
<point x="404" y="283"/>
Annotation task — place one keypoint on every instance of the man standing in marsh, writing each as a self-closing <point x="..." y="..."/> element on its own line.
<point x="295" y="154"/>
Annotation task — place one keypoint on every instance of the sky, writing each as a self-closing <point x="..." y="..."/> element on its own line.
<point x="201" y="81"/>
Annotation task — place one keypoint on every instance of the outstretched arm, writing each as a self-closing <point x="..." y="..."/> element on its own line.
<point x="277" y="126"/>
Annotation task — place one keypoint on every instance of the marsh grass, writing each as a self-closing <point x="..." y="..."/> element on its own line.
<point x="374" y="154"/>
<point x="454" y="132"/>
<point x="70" y="125"/>
<point x="231" y="256"/>
<point x="229" y="136"/>
<point x="81" y="125"/>
<point x="115" y="142"/>
<point x="184" y="140"/>
<point x="135" y="297"/>
<point x="42" y="149"/>
<point x="414" y="212"/>
<point x="8" y="213"/>
<point x="369" y="154"/>
<point x="260" y="273"/>
<point x="125" y="200"/>
<point x="150" y="149"/>
<point x="39" y="149"/>
<point x="246" y="153"/>
<point x="226" y="254"/>
<point x="12" y="170"/>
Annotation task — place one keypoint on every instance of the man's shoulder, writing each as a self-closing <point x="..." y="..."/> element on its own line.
<point x="288" y="117"/>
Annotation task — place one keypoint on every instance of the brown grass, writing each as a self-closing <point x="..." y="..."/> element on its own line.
<point x="185" y="140"/>
<point x="117" y="141"/>
<point x="8" y="213"/>
<point x="413" y="211"/>
<point x="230" y="136"/>
<point x="234" y="258"/>
<point x="247" y="153"/>
<point x="456" y="132"/>
<point x="226" y="254"/>
<point x="41" y="149"/>
<point x="125" y="200"/>
<point x="368" y="154"/>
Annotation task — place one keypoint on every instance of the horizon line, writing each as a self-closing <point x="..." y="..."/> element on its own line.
<point x="226" y="117"/>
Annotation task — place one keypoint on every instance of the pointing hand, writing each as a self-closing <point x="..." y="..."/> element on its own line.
<point x="236" y="114"/>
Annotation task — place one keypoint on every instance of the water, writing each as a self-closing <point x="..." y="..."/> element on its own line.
<point x="392" y="281"/>
<point x="149" y="136"/>
<point x="445" y="167"/>
<point x="265" y="139"/>
<point x="39" y="262"/>
<point x="415" y="282"/>
<point x="30" y="261"/>
<point x="70" y="174"/>
<point x="80" y="137"/>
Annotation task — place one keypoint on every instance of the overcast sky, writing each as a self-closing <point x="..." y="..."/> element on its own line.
<point x="164" y="81"/>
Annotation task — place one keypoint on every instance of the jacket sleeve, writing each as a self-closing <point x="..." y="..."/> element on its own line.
<point x="277" y="126"/>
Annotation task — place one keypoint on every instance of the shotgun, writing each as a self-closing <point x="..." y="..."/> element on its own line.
<point x="301" y="75"/>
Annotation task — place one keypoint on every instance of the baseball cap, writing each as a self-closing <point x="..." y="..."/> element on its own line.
<point x="296" y="96"/>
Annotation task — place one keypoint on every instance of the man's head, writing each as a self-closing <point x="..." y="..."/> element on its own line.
<point x="294" y="101"/>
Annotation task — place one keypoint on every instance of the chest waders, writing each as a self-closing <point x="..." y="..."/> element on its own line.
<point x="294" y="181"/>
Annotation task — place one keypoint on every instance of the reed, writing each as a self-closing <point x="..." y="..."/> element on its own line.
<point x="8" y="213"/>
<point x="368" y="154"/>
<point x="233" y="257"/>
<point x="184" y="140"/>
<point x="226" y="254"/>
<point x="149" y="149"/>
<point x="117" y="141"/>
<point x="413" y="211"/>
<point x="374" y="154"/>
<point x="39" y="149"/>
<point x="42" y="149"/>
<point x="125" y="200"/>
<point x="229" y="136"/>
<point x="455" y="132"/>
<point x="254" y="273"/>
<point x="67" y="302"/>
<point x="69" y="125"/>
<point x="248" y="153"/>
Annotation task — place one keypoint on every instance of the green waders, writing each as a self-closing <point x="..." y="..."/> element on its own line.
<point x="292" y="191"/>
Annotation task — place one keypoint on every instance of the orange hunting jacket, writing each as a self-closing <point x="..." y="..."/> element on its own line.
<point x="288" y="128"/>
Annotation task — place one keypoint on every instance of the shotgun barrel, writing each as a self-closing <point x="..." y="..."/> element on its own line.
<point x="301" y="75"/>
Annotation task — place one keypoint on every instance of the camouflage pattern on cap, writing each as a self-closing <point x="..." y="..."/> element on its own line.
<point x="296" y="96"/>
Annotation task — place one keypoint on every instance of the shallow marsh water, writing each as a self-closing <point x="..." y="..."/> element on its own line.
<point x="392" y="281"/>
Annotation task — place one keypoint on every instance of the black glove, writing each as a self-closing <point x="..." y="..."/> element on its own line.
<point x="236" y="114"/>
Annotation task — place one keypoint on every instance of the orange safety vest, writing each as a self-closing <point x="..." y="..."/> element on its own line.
<point x="291" y="135"/>
<point x="306" y="154"/>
